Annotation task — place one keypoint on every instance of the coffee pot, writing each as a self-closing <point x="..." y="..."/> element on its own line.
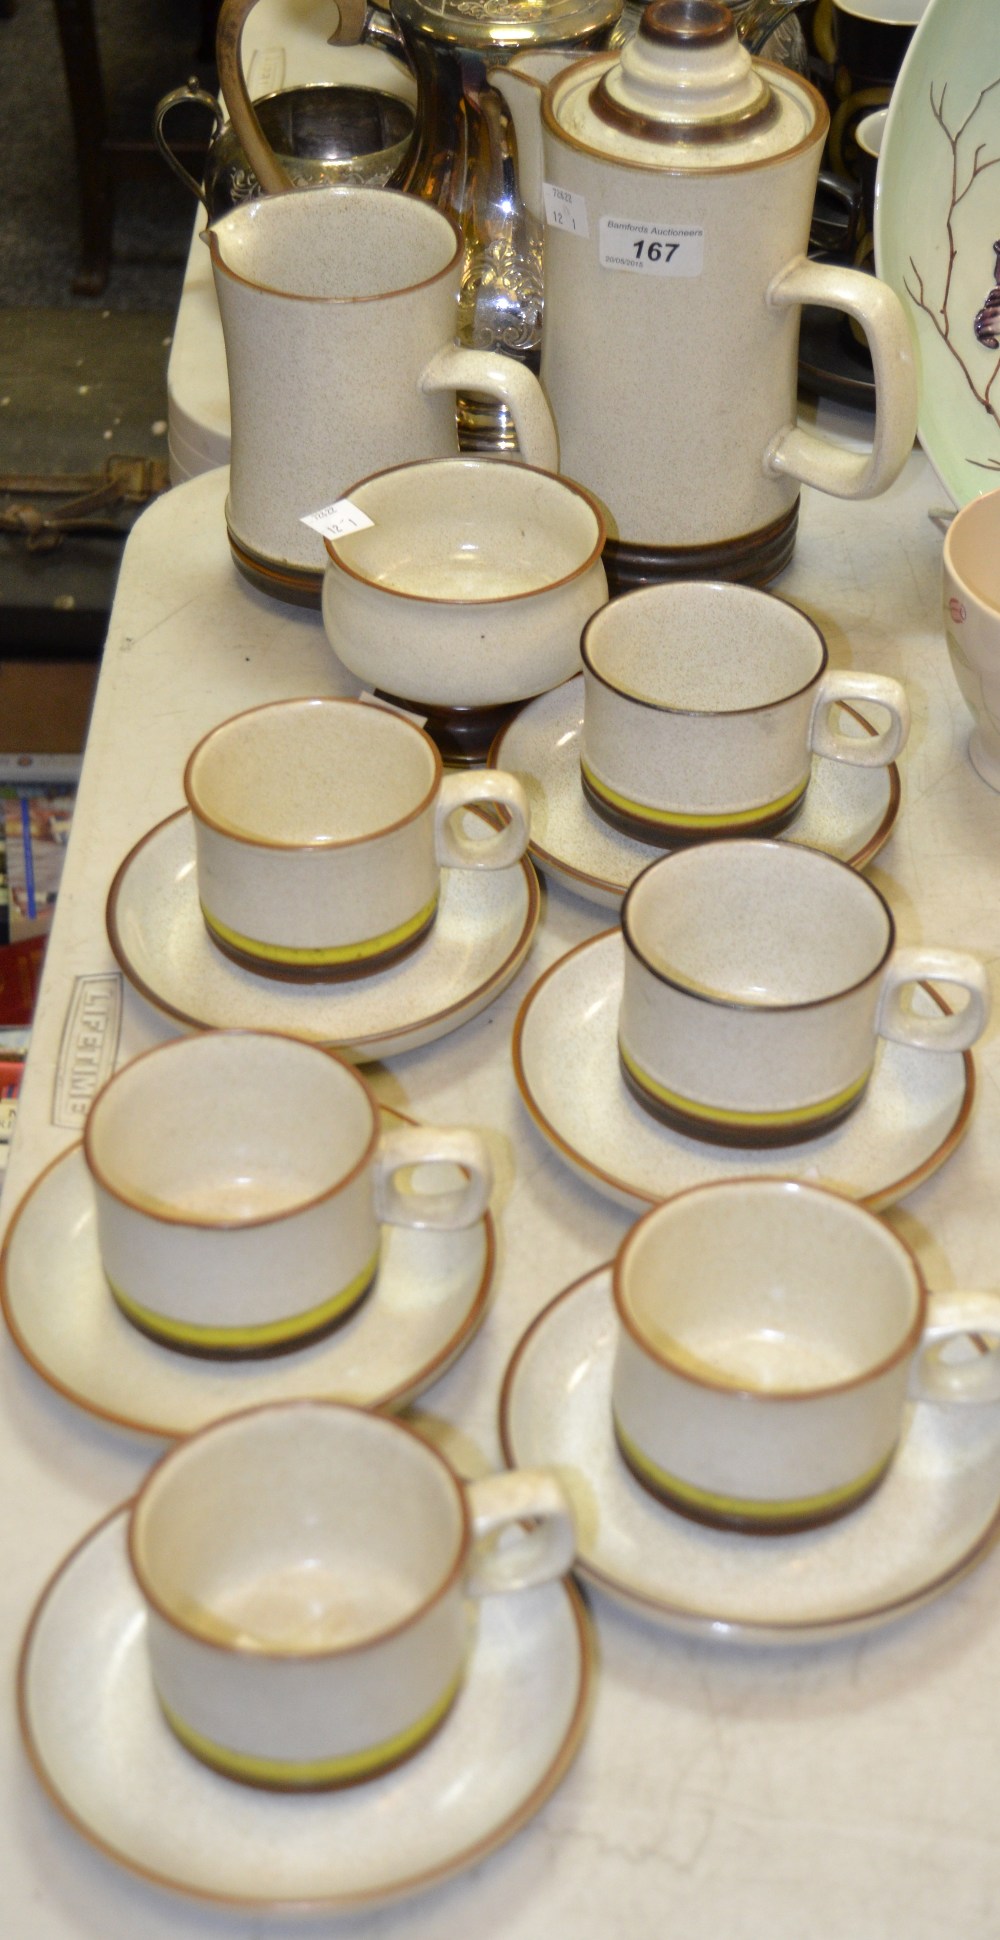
<point x="676" y="182"/>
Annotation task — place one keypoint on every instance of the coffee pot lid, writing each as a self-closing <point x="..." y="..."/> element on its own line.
<point x="502" y="28"/>
<point x="686" y="94"/>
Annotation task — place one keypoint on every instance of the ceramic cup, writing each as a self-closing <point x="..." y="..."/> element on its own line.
<point x="703" y="705"/>
<point x="759" y="977"/>
<point x="241" y="1183"/>
<point x="467" y="592"/>
<point x="971" y="589"/>
<point x="770" y="1335"/>
<point x="305" y="1569"/>
<point x="868" y="136"/>
<point x="321" y="828"/>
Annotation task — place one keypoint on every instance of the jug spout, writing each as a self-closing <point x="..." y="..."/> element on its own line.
<point x="522" y="82"/>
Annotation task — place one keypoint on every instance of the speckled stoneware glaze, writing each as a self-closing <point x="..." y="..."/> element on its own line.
<point x="305" y="1569"/>
<point x="912" y="1116"/>
<point x="430" y="1294"/>
<point x="769" y="1335"/>
<point x="472" y="585"/>
<point x="758" y="979"/>
<point x="848" y="811"/>
<point x="971" y="597"/>
<point x="934" y="1517"/>
<point x="704" y="704"/>
<point x="678" y="179"/>
<point x="338" y="311"/>
<point x="225" y="1228"/>
<point x="485" y="925"/>
<point x="322" y="827"/>
<point x="110" y="1763"/>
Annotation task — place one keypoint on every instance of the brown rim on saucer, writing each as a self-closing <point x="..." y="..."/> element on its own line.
<point x="561" y="866"/>
<point x="876" y="1201"/>
<point x="477" y="1850"/>
<point x="398" y="1397"/>
<point x="689" y="1619"/>
<point x="166" y="1009"/>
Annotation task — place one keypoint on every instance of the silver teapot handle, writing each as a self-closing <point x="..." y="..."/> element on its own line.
<point x="191" y="91"/>
<point x="272" y="177"/>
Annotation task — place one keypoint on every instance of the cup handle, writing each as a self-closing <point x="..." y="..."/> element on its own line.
<point x="817" y="461"/>
<point x="953" y="1030"/>
<point x="972" y="1380"/>
<point x="453" y="368"/>
<point x="413" y="1145"/>
<point x="501" y="848"/>
<point x="530" y="1555"/>
<point x="867" y="750"/>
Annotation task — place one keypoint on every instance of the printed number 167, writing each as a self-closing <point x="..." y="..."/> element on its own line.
<point x="655" y="252"/>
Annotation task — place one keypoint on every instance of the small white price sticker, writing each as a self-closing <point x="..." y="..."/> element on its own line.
<point x="651" y="248"/>
<point x="337" y="519"/>
<point x="565" y="210"/>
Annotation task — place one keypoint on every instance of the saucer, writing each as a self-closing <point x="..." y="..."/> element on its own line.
<point x="485" y="924"/>
<point x="933" y="1518"/>
<point x="847" y="811"/>
<point x="105" y="1755"/>
<point x="430" y="1295"/>
<point x="565" y="1048"/>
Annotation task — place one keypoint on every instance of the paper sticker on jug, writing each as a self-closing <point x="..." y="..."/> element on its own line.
<point x="565" y="210"/>
<point x="337" y="519"/>
<point x="652" y="248"/>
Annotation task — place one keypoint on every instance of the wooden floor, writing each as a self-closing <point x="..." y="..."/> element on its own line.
<point x="76" y="387"/>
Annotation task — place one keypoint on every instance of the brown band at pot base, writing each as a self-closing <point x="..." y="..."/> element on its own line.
<point x="753" y="559"/>
<point x="293" y="585"/>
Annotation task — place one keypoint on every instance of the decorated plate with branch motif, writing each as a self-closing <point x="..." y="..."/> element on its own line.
<point x="937" y="234"/>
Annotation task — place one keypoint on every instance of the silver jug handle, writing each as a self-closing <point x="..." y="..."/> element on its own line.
<point x="191" y="91"/>
<point x="374" y="25"/>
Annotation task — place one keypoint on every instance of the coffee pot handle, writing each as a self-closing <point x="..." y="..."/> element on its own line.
<point x="797" y="453"/>
<point x="233" y="16"/>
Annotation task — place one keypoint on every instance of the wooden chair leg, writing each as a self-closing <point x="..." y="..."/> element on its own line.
<point x="88" y="110"/>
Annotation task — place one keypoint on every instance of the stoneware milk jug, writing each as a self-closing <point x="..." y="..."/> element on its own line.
<point x="339" y="312"/>
<point x="677" y="184"/>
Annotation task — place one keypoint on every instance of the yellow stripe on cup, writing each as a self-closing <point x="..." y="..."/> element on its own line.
<point x="725" y="1115"/>
<point x="675" y="818"/>
<point x="271" y="1333"/>
<point x="287" y="1775"/>
<point x="765" y="1513"/>
<point x="330" y="957"/>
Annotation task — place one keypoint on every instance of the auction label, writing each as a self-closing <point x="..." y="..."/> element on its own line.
<point x="651" y="248"/>
<point x="337" y="519"/>
<point x="565" y="210"/>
